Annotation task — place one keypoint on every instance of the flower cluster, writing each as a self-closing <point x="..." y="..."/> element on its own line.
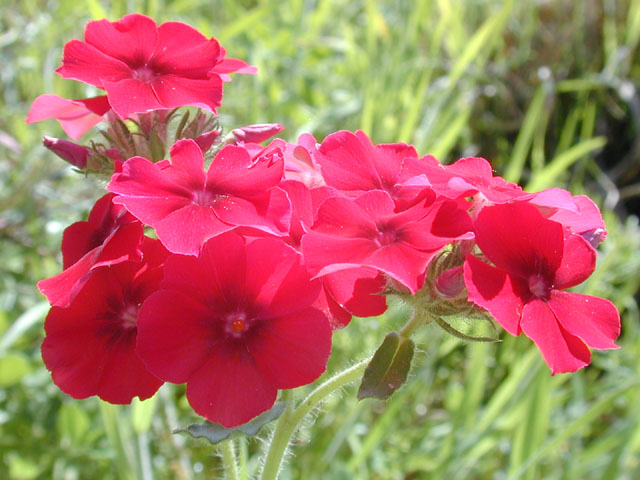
<point x="261" y="253"/>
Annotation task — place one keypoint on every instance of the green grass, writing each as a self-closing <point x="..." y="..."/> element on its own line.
<point x="536" y="87"/>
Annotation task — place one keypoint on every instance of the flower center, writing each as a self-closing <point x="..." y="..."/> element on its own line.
<point x="206" y="198"/>
<point x="144" y="74"/>
<point x="236" y="324"/>
<point x="129" y="316"/>
<point x="538" y="286"/>
<point x="386" y="235"/>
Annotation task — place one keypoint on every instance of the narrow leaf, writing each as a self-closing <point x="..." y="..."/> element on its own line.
<point x="217" y="433"/>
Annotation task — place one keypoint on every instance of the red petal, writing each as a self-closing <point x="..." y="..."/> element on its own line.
<point x="129" y="96"/>
<point x="578" y="262"/>
<point x="516" y="238"/>
<point x="233" y="171"/>
<point x="234" y="65"/>
<point x="85" y="63"/>
<point x="293" y="350"/>
<point x="595" y="320"/>
<point x="75" y="116"/>
<point x="212" y="278"/>
<point x="278" y="280"/>
<point x="347" y="162"/>
<point x="495" y="291"/>
<point x="344" y="217"/>
<point x="358" y="291"/>
<point x="186" y="229"/>
<point x="401" y="262"/>
<point x="187" y="165"/>
<point x="61" y="288"/>
<point x="182" y="50"/>
<point x="562" y="351"/>
<point x="270" y="214"/>
<point x="176" y="91"/>
<point x="229" y="389"/>
<point x="176" y="335"/>
<point x="130" y="39"/>
<point x="325" y="254"/>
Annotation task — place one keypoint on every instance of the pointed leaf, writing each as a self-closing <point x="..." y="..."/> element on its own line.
<point x="388" y="368"/>
<point x="217" y="433"/>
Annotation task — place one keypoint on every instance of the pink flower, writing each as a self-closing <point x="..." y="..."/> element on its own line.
<point x="187" y="205"/>
<point x="535" y="260"/>
<point x="110" y="236"/>
<point x="90" y="345"/>
<point x="75" y="116"/>
<point x="367" y="232"/>
<point x="236" y="324"/>
<point x="144" y="67"/>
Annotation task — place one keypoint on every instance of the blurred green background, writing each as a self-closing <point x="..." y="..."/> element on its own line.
<point x="547" y="90"/>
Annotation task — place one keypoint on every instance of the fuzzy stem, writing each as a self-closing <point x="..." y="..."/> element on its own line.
<point x="228" y="451"/>
<point x="291" y="418"/>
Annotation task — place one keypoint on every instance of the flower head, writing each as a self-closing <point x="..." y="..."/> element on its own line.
<point x="236" y="324"/>
<point x="90" y="345"/>
<point x="535" y="260"/>
<point x="187" y="205"/>
<point x="145" y="67"/>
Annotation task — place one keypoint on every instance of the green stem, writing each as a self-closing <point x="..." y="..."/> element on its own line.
<point x="228" y="451"/>
<point x="414" y="323"/>
<point x="291" y="418"/>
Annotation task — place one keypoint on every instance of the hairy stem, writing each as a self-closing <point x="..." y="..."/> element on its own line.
<point x="291" y="418"/>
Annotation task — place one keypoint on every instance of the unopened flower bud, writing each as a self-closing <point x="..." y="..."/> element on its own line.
<point x="450" y="283"/>
<point x="206" y="140"/>
<point x="257" y="133"/>
<point x="73" y="153"/>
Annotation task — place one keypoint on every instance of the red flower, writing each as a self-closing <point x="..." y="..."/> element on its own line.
<point x="535" y="260"/>
<point x="110" y="236"/>
<point x="353" y="164"/>
<point x="366" y="232"/>
<point x="348" y="292"/>
<point x="578" y="213"/>
<point x="75" y="116"/>
<point x="236" y="324"/>
<point x="187" y="206"/>
<point x="467" y="177"/>
<point x="90" y="345"/>
<point x="144" y="67"/>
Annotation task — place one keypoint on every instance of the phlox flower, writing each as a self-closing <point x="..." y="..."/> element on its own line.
<point x="367" y="232"/>
<point x="351" y="163"/>
<point x="347" y="292"/>
<point x="236" y="324"/>
<point x="110" y="236"/>
<point x="145" y="67"/>
<point x="90" y="345"/>
<point x="534" y="261"/>
<point x="187" y="205"/>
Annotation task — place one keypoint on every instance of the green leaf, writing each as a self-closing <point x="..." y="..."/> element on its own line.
<point x="388" y="368"/>
<point x="217" y="433"/>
